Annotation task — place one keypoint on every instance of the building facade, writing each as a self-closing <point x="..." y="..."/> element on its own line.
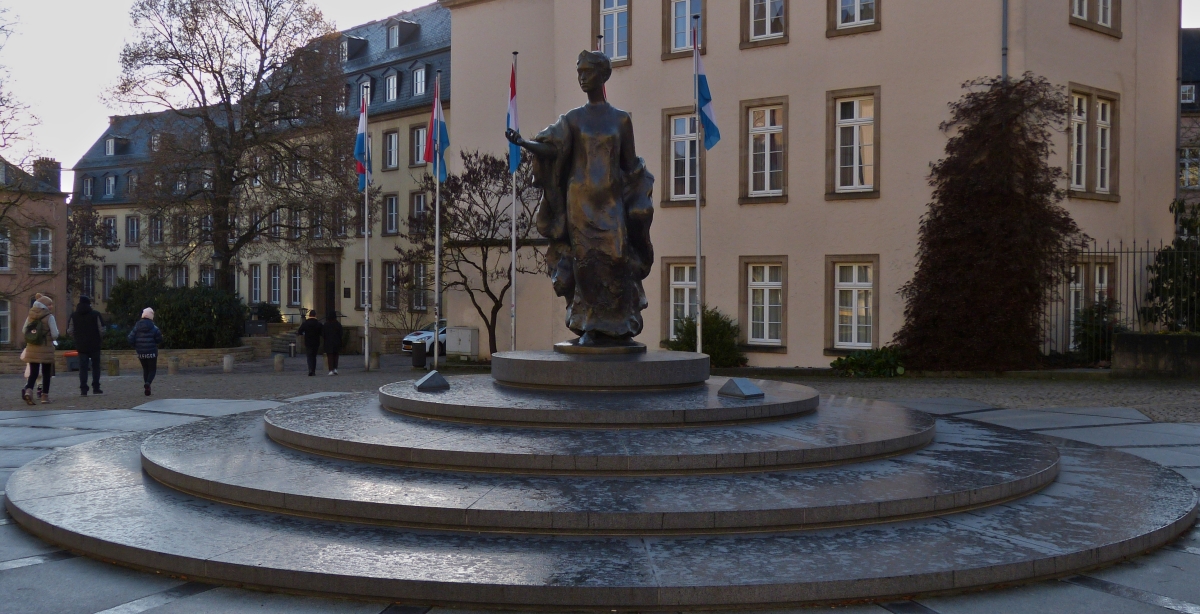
<point x="394" y="62"/>
<point x="829" y="113"/>
<point x="33" y="246"/>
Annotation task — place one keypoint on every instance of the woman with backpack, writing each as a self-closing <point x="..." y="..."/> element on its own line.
<point x="145" y="339"/>
<point x="40" y="332"/>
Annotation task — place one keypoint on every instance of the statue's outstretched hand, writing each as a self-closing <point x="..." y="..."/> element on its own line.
<point x="514" y="137"/>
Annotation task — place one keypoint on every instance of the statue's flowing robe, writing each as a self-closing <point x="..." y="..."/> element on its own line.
<point x="596" y="211"/>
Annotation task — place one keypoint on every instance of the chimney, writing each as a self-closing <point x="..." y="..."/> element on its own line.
<point x="48" y="171"/>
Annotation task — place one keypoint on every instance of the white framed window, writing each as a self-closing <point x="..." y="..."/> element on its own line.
<point x="133" y="229"/>
<point x="294" y="223"/>
<point x="420" y="284"/>
<point x="417" y="136"/>
<point x="5" y="251"/>
<point x="1074" y="300"/>
<point x="5" y="322"/>
<point x="206" y="227"/>
<point x="417" y="212"/>
<point x="206" y="180"/>
<point x="391" y="280"/>
<point x="344" y="50"/>
<point x="391" y="214"/>
<point x="110" y="146"/>
<point x="854" y="13"/>
<point x="1079" y="8"/>
<point x="255" y="290"/>
<point x="273" y="109"/>
<point x="418" y="79"/>
<point x="133" y="272"/>
<point x="156" y="230"/>
<point x="854" y="288"/>
<point x="681" y="24"/>
<point x="205" y="140"/>
<point x="273" y="284"/>
<point x="155" y="141"/>
<point x="685" y="151"/>
<point x="364" y="92"/>
<point x="181" y="276"/>
<point x="1100" y="278"/>
<point x="765" y="292"/>
<point x="294" y="281"/>
<point x="392" y="81"/>
<point x="1104" y="12"/>
<point x="1187" y="94"/>
<point x="110" y="230"/>
<point x="1189" y="167"/>
<point x="110" y="280"/>
<point x="41" y="247"/>
<point x="1079" y="120"/>
<point x="393" y="36"/>
<point x="208" y="276"/>
<point x="110" y="186"/>
<point x="856" y="144"/>
<point x="614" y="26"/>
<point x="684" y="298"/>
<point x="131" y="183"/>
<point x="181" y="183"/>
<point x="87" y="283"/>
<point x="276" y="221"/>
<point x="766" y="151"/>
<point x="1103" y="145"/>
<point x="766" y="19"/>
<point x="87" y="187"/>
<point x="391" y="150"/>
<point x="362" y="274"/>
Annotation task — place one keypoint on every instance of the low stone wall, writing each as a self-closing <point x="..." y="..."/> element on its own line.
<point x="261" y="346"/>
<point x="1151" y="355"/>
<point x="11" y="364"/>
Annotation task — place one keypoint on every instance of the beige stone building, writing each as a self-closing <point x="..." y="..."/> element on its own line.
<point x="829" y="112"/>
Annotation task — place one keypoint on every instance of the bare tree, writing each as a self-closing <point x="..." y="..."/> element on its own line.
<point x="252" y="148"/>
<point x="87" y="240"/>
<point x="476" y="234"/>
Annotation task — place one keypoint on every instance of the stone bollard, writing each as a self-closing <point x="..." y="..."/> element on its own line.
<point x="173" y="365"/>
<point x="373" y="364"/>
<point x="114" y="367"/>
<point x="279" y="363"/>
<point x="227" y="363"/>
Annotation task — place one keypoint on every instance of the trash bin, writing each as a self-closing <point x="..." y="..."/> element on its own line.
<point x="72" y="357"/>
<point x="418" y="355"/>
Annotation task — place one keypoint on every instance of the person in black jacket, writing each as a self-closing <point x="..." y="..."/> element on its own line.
<point x="145" y="339"/>
<point x="311" y="331"/>
<point x="333" y="341"/>
<point x="87" y="327"/>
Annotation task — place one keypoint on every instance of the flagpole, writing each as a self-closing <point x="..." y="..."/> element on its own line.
<point x="512" y="273"/>
<point x="437" y="222"/>
<point x="699" y="144"/>
<point x="367" y="244"/>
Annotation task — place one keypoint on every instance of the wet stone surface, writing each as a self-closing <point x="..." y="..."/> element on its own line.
<point x="842" y="429"/>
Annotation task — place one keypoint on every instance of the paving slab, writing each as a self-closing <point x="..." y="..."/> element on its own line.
<point x="316" y="395"/>
<point x="205" y="407"/>
<point x="141" y="421"/>
<point x="13" y="414"/>
<point x="1044" y="597"/>
<point x="4" y="473"/>
<point x="224" y="600"/>
<point x="1127" y="413"/>
<point x="69" y="438"/>
<point x="16" y="543"/>
<point x="1175" y="457"/>
<point x="78" y="420"/>
<point x="15" y="458"/>
<point x="1128" y="435"/>
<point x="1027" y="420"/>
<point x="19" y="435"/>
<point x="942" y="406"/>
<point x="75" y="586"/>
<point x="1166" y="572"/>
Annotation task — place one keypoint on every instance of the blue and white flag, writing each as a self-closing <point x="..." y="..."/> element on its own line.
<point x="708" y="117"/>
<point x="514" y="151"/>
<point x="362" y="153"/>
<point x="437" y="137"/>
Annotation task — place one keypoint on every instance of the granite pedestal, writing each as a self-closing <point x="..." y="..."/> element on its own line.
<point x="651" y="492"/>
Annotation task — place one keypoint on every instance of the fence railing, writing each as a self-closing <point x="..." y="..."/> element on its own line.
<point x="1111" y="289"/>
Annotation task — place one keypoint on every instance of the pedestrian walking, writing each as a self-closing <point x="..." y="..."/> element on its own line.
<point x="145" y="339"/>
<point x="40" y="331"/>
<point x="333" y="341"/>
<point x="86" y="327"/>
<point x="311" y="330"/>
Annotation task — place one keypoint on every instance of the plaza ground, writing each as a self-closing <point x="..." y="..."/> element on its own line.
<point x="1158" y="420"/>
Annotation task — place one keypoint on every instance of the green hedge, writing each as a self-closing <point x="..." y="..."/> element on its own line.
<point x="721" y="336"/>
<point x="881" y="362"/>
<point x="190" y="318"/>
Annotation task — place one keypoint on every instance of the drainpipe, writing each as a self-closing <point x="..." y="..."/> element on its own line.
<point x="1004" y="42"/>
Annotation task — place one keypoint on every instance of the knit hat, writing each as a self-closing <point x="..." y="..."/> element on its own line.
<point x="46" y="301"/>
<point x="148" y="313"/>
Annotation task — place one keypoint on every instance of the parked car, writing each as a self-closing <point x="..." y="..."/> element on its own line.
<point x="425" y="335"/>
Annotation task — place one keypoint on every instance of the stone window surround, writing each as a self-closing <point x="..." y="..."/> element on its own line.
<point x="744" y="107"/>
<point x="831" y="22"/>
<point x="831" y="166"/>
<point x="383" y="222"/>
<point x="667" y="160"/>
<point x="665" y="275"/>
<point x="746" y="43"/>
<point x="1089" y="193"/>
<point x="385" y="281"/>
<point x="831" y="298"/>
<point x="1090" y="23"/>
<point x="628" y="60"/>
<point x="358" y="304"/>
<point x="384" y="143"/>
<point x="668" y="32"/>
<point x="413" y="160"/>
<point x="744" y="263"/>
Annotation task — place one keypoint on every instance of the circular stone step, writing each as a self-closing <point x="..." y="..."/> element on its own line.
<point x="355" y="427"/>
<point x="650" y="370"/>
<point x="230" y="459"/>
<point x="1104" y="507"/>
<point x="479" y="398"/>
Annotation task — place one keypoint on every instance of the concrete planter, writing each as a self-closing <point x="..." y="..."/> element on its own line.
<point x="1150" y="355"/>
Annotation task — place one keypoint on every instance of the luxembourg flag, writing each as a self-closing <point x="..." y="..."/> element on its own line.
<point x="435" y="148"/>
<point x="514" y="152"/>
<point x="708" y="117"/>
<point x="362" y="153"/>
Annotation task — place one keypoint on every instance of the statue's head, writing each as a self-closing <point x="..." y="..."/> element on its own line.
<point x="594" y="70"/>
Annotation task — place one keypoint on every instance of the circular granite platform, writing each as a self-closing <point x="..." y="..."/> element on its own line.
<point x="479" y="398"/>
<point x="1104" y="506"/>
<point x="355" y="427"/>
<point x="549" y="369"/>
<point x="230" y="459"/>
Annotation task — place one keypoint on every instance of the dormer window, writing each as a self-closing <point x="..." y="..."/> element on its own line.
<point x="205" y="142"/>
<point x="345" y="50"/>
<point x="419" y="81"/>
<point x="110" y="186"/>
<point x="87" y="187"/>
<point x="393" y="81"/>
<point x="155" y="141"/>
<point x="393" y="36"/>
<point x="364" y="91"/>
<point x="110" y="146"/>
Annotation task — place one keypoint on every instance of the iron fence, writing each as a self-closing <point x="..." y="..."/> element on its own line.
<point x="1111" y="289"/>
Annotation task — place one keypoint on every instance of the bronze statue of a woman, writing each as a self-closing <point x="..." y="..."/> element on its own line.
<point x="596" y="212"/>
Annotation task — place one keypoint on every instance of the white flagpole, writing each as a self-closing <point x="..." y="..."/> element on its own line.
<point x="367" y="246"/>
<point x="699" y="144"/>
<point x="512" y="273"/>
<point x="437" y="223"/>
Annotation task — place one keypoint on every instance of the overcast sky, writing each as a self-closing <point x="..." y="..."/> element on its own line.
<point x="63" y="58"/>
